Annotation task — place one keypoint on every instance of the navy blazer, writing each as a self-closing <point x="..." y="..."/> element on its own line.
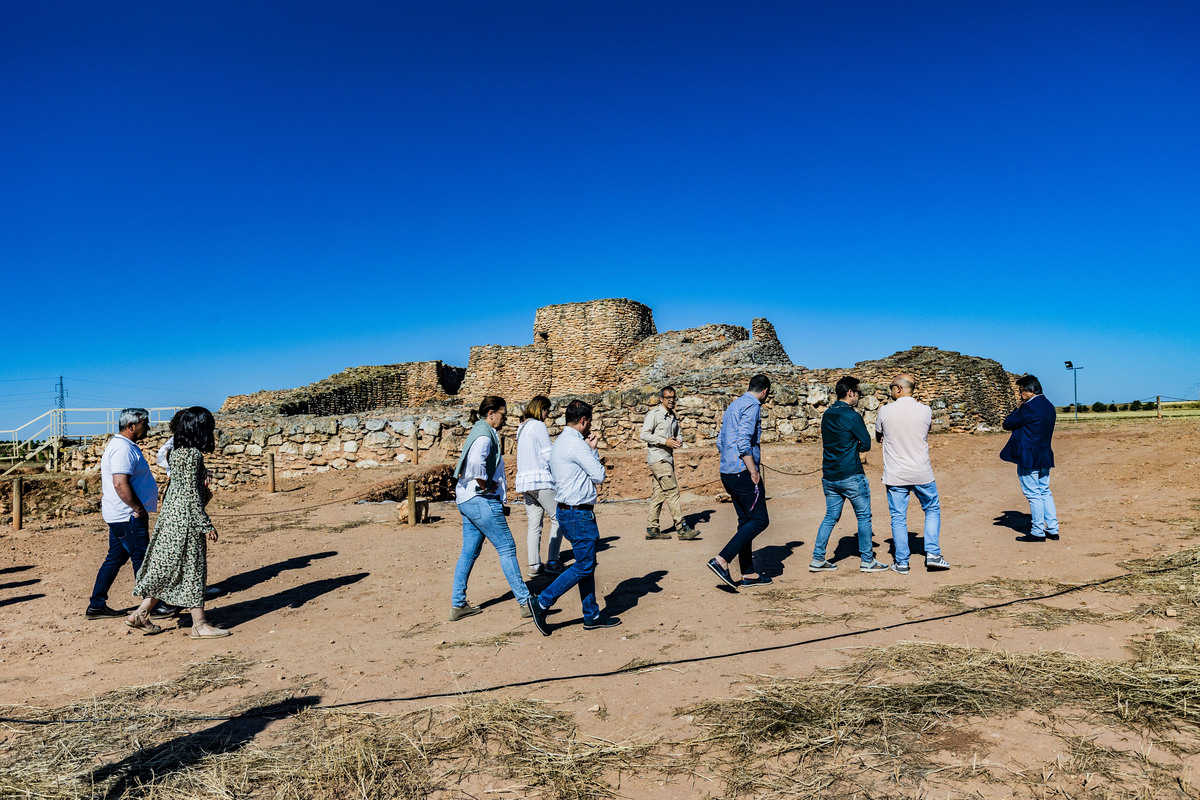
<point x="1032" y="426"/>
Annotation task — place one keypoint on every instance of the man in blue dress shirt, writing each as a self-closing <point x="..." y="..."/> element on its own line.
<point x="741" y="457"/>
<point x="1032" y="426"/>
<point x="577" y="470"/>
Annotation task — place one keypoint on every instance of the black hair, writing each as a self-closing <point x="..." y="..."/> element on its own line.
<point x="666" y="389"/>
<point x="487" y="405"/>
<point x="1029" y="383"/>
<point x="577" y="410"/>
<point x="194" y="427"/>
<point x="845" y="386"/>
<point x="759" y="382"/>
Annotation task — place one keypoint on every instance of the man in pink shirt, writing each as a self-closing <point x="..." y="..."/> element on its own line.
<point x="903" y="428"/>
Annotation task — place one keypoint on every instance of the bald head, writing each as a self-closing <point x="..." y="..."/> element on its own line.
<point x="903" y="385"/>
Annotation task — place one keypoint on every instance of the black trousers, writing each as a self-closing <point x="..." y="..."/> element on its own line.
<point x="750" y="501"/>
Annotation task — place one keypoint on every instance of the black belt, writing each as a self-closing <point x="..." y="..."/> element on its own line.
<point x="565" y="507"/>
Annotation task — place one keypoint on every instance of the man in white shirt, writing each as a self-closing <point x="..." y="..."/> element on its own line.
<point x="128" y="495"/>
<point x="660" y="432"/>
<point x="577" y="471"/>
<point x="903" y="428"/>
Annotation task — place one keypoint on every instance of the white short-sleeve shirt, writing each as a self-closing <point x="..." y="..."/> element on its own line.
<point x="124" y="457"/>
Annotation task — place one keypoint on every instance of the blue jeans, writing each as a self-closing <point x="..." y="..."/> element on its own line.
<point x="126" y="542"/>
<point x="1035" y="483"/>
<point x="927" y="496"/>
<point x="483" y="518"/>
<point x="856" y="490"/>
<point x="579" y="528"/>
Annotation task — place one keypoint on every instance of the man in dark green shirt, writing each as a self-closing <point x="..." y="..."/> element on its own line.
<point x="844" y="436"/>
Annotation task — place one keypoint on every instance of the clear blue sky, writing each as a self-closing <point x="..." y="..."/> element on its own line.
<point x="219" y="197"/>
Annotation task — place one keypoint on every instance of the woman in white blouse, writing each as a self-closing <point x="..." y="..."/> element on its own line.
<point x="536" y="486"/>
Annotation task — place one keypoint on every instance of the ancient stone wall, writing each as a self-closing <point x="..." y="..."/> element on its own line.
<point x="577" y="347"/>
<point x="976" y="391"/>
<point x="357" y="389"/>
<point x="511" y="372"/>
<point x="965" y="393"/>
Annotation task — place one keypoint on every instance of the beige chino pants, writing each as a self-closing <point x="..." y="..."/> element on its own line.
<point x="666" y="490"/>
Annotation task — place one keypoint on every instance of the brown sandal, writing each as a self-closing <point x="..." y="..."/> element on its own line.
<point x="142" y="623"/>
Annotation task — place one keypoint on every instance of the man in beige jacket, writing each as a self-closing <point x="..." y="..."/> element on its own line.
<point x="660" y="432"/>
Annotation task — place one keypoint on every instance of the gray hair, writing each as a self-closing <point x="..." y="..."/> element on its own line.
<point x="131" y="416"/>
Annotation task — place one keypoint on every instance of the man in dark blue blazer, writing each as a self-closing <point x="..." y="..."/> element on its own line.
<point x="1032" y="426"/>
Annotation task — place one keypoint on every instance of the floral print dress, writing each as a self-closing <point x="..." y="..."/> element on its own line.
<point x="175" y="568"/>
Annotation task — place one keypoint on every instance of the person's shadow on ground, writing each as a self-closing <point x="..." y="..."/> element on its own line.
<point x="144" y="766"/>
<point x="1019" y="521"/>
<point x="7" y="570"/>
<point x="295" y="597"/>
<point x="916" y="545"/>
<point x="769" y="560"/>
<point x="568" y="554"/>
<point x="236" y="583"/>
<point x="12" y="601"/>
<point x="699" y="518"/>
<point x="628" y="592"/>
<point x="18" y="584"/>
<point x="847" y="546"/>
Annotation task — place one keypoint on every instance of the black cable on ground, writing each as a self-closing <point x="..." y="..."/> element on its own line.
<point x="613" y="673"/>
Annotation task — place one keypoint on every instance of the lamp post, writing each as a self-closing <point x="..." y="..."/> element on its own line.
<point x="1075" y="372"/>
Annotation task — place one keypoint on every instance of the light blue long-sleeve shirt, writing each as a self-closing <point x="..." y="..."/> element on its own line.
<point x="576" y="469"/>
<point x="741" y="430"/>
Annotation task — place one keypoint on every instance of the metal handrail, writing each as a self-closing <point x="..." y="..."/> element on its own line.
<point x="21" y="445"/>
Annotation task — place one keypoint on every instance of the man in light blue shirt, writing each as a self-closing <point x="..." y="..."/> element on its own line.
<point x="738" y="444"/>
<point x="577" y="471"/>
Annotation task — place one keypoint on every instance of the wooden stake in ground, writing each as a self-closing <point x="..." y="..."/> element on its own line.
<point x="412" y="502"/>
<point x="271" y="473"/>
<point x="16" y="504"/>
<point x="1158" y="405"/>
<point x="416" y="446"/>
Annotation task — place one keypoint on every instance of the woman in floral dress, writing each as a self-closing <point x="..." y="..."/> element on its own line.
<point x="175" y="568"/>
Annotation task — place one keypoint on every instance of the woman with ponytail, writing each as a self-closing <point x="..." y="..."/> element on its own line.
<point x="480" y="494"/>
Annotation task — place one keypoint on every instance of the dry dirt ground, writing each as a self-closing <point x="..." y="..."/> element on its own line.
<point x="340" y="606"/>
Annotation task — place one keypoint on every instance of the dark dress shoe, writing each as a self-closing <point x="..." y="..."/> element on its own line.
<point x="722" y="573"/>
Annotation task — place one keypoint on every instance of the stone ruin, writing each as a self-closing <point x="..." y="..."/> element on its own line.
<point x="356" y="389"/>
<point x="607" y="352"/>
<point x="613" y="345"/>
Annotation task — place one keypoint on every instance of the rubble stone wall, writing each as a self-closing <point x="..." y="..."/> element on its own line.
<point x="357" y="389"/>
<point x="965" y="394"/>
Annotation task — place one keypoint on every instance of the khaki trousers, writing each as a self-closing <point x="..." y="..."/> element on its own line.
<point x="666" y="490"/>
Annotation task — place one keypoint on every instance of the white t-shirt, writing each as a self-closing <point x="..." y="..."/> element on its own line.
<point x="476" y="467"/>
<point x="123" y="457"/>
<point x="905" y="426"/>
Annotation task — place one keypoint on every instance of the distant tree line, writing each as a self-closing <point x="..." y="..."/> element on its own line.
<point x="1098" y="407"/>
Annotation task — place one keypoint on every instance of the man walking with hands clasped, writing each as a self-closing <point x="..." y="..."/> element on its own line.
<point x="902" y="427"/>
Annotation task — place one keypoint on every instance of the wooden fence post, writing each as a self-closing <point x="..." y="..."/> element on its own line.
<point x="1158" y="405"/>
<point x="416" y="446"/>
<point x="271" y="473"/>
<point x="412" y="502"/>
<point x="16" y="504"/>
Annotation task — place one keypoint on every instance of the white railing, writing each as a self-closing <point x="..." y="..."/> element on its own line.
<point x="51" y="429"/>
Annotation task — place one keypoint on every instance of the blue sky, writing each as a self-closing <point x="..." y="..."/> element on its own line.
<point x="213" y="198"/>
